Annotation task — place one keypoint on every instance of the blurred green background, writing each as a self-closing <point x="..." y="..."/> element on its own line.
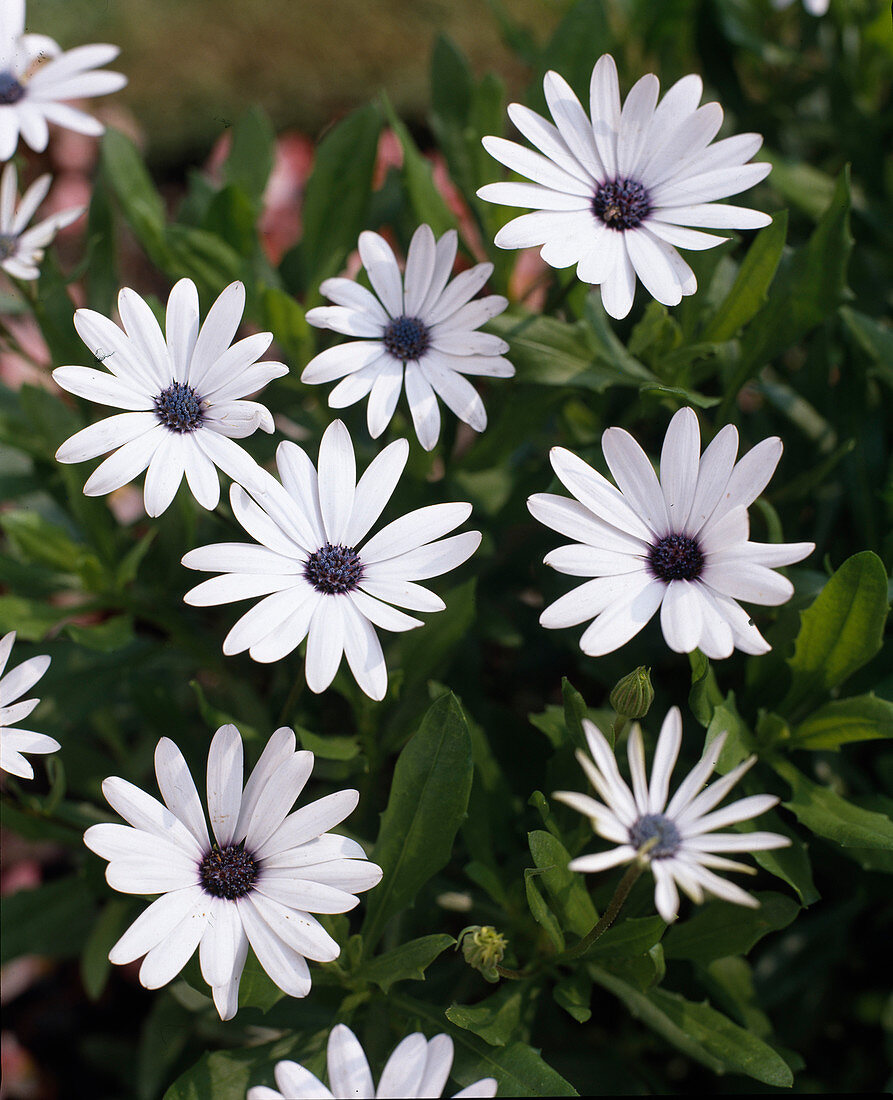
<point x="195" y="65"/>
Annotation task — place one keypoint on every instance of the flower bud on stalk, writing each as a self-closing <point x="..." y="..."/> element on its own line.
<point x="632" y="697"/>
<point x="483" y="948"/>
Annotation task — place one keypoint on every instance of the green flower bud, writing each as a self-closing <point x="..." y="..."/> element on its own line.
<point x="483" y="948"/>
<point x="633" y="695"/>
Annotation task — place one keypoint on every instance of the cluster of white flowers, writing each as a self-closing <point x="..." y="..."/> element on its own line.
<point x="614" y="193"/>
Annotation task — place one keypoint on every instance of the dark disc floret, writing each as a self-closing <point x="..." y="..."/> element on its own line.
<point x="11" y="90"/>
<point x="228" y="872"/>
<point x="655" y="826"/>
<point x="179" y="408"/>
<point x="676" y="558"/>
<point x="407" y="338"/>
<point x="334" y="569"/>
<point x="621" y="204"/>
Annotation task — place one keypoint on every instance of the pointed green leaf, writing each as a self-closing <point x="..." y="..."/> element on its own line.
<point x="497" y="1019"/>
<point x="570" y="898"/>
<point x="748" y="293"/>
<point x="828" y="814"/>
<point x="427" y="804"/>
<point x="861" y="718"/>
<point x="408" y="962"/>
<point x="720" y="928"/>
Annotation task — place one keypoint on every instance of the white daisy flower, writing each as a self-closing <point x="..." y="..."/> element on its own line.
<point x="417" y="1067"/>
<point x="420" y="330"/>
<point x="36" y="76"/>
<point x="616" y="195"/>
<point x="679" y="544"/>
<point x="318" y="577"/>
<point x="255" y="884"/>
<point x="22" y="249"/>
<point x="814" y="7"/>
<point x="682" y="836"/>
<point x="183" y="392"/>
<point x="14" y="742"/>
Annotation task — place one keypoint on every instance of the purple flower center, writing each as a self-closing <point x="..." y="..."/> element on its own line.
<point x="407" y="338"/>
<point x="179" y="408"/>
<point x="11" y="91"/>
<point x="621" y="204"/>
<point x="676" y="558"/>
<point x="228" y="872"/>
<point x="334" y="569"/>
<point x="655" y="826"/>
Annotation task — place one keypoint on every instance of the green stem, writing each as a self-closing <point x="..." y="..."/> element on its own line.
<point x="610" y="914"/>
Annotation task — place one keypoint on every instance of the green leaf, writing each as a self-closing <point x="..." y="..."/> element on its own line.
<point x="841" y="631"/>
<point x="791" y="864"/>
<point x="408" y="962"/>
<point x="231" y="216"/>
<point x="569" y="896"/>
<point x="860" y="718"/>
<point x="705" y="693"/>
<point x="201" y="256"/>
<point x="53" y="920"/>
<point x="31" y="619"/>
<point x="228" y="1074"/>
<point x="164" y="1036"/>
<point x="629" y="938"/>
<point x="37" y="540"/>
<point x="285" y="319"/>
<point x="105" y="637"/>
<point x="95" y="965"/>
<point x="497" y="1019"/>
<point x="541" y="912"/>
<point x="720" y="928"/>
<point x="250" y="159"/>
<point x="808" y="289"/>
<point x="519" y="1071"/>
<point x="701" y="1032"/>
<point x="575" y="710"/>
<point x="451" y="83"/>
<point x="427" y="804"/>
<point x="329" y="746"/>
<point x="126" y="175"/>
<point x="427" y="203"/>
<point x="874" y="338"/>
<point x="336" y="197"/>
<point x="748" y="293"/>
<point x="831" y="816"/>
<point x="739" y="740"/>
<point x="574" y="994"/>
<point x="256" y="988"/>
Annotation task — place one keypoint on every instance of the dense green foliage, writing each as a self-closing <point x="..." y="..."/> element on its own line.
<point x="788" y="335"/>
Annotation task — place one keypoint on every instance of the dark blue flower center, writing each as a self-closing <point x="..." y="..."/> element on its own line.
<point x="179" y="408"/>
<point x="8" y="243"/>
<point x="11" y="91"/>
<point x="676" y="558"/>
<point x="334" y="569"/>
<point x="655" y="826"/>
<point x="407" y="338"/>
<point x="621" y="204"/>
<point x="228" y="872"/>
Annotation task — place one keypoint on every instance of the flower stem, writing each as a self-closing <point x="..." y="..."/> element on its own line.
<point x="610" y="914"/>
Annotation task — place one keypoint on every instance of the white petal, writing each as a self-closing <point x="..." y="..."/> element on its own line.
<point x="378" y="613"/>
<point x="181" y="326"/>
<point x="623" y="619"/>
<point x="591" y="599"/>
<point x="403" y="594"/>
<point x="548" y="140"/>
<point x="301" y="482"/>
<point x="427" y="561"/>
<point x="145" y="332"/>
<point x="337" y="481"/>
<point x="383" y="396"/>
<point x="741" y="579"/>
<point x="383" y="272"/>
<point x="343" y="359"/>
<point x="349" y="1073"/>
<point x="444" y="258"/>
<point x="714" y="470"/>
<point x="573" y="125"/>
<point x="345" y="292"/>
<point x="635" y="747"/>
<point x="666" y="896"/>
<point x="144" y="812"/>
<point x="636" y="477"/>
<point x="419" y="269"/>
<point x="579" y="560"/>
<point x="220" y="942"/>
<point x="598" y="495"/>
<point x="285" y="965"/>
<point x="404" y="1069"/>
<point x="309" y="822"/>
<point x="603" y="861"/>
<point x="531" y="195"/>
<point x="224" y="785"/>
<point x="104" y="389"/>
<point x="575" y="520"/>
<point x="711" y="215"/>
<point x="164" y="961"/>
<point x="349" y="322"/>
<point x="325" y="644"/>
<point x="155" y="923"/>
<point x="23" y="677"/>
<point x="374" y="490"/>
<point x="291" y="631"/>
<point x="179" y="792"/>
<point x="363" y="649"/>
<point x="604" y="107"/>
<point x="276" y="797"/>
<point x="680" y="616"/>
<point x="536" y="167"/>
<point x="635" y="124"/>
<point x="460" y="397"/>
<point x="217" y="332"/>
<point x="423" y="406"/>
<point x="166" y="469"/>
<point x="413" y="530"/>
<point x="665" y="756"/>
<point x="279" y="749"/>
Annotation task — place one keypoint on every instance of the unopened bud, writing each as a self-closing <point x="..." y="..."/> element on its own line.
<point x="483" y="948"/>
<point x="633" y="695"/>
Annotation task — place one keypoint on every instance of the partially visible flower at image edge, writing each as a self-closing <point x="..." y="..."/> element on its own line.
<point x="417" y="1067"/>
<point x="417" y="329"/>
<point x="814" y="7"/>
<point x="680" y="543"/>
<point x="258" y="881"/>
<point x="617" y="194"/>
<point x="319" y="579"/>
<point x="678" y="840"/>
<point x="36" y="77"/>
<point x="184" y="394"/>
<point x="22" y="249"/>
<point x="14" y="741"/>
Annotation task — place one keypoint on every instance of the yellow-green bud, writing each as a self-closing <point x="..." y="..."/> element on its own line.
<point x="633" y="695"/>
<point x="483" y="948"/>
